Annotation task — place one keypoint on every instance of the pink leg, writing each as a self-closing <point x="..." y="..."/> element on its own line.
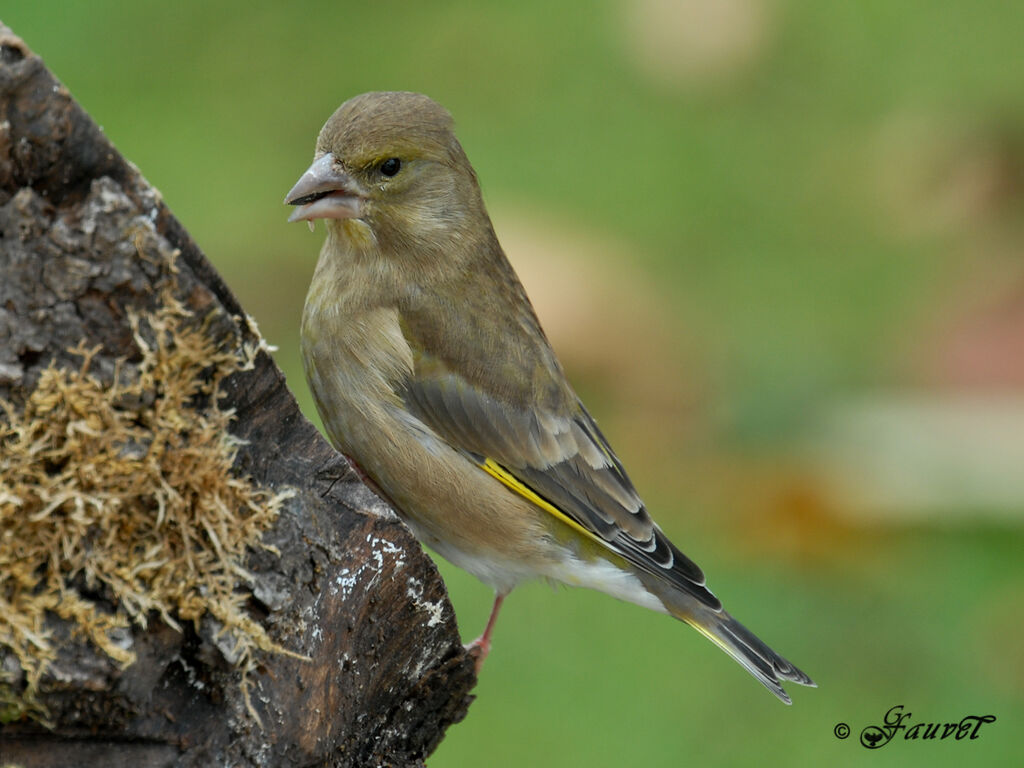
<point x="366" y="480"/>
<point x="482" y="645"/>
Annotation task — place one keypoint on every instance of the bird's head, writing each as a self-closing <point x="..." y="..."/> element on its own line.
<point x="389" y="175"/>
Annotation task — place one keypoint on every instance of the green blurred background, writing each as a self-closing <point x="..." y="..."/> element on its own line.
<point x="779" y="245"/>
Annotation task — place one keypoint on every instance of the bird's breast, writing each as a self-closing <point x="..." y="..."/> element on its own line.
<point x="354" y="363"/>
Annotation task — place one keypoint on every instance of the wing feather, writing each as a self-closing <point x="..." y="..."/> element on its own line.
<point x="562" y="458"/>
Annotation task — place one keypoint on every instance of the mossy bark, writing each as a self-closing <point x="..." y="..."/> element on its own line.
<point x="86" y="246"/>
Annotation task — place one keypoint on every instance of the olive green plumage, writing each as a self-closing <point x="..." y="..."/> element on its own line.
<point x="432" y="374"/>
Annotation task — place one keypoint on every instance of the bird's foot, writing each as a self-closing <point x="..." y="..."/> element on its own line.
<point x="478" y="651"/>
<point x="480" y="647"/>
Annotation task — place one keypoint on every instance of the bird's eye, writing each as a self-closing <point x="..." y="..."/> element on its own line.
<point x="391" y="166"/>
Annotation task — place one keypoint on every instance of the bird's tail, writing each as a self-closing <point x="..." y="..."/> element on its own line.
<point x="736" y="640"/>
<point x="744" y="646"/>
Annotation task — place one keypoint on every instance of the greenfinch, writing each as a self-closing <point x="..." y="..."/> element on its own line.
<point x="432" y="375"/>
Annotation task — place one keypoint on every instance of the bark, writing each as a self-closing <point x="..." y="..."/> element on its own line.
<point x="350" y="588"/>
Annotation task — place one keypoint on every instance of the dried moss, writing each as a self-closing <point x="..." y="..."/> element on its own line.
<point x="123" y="491"/>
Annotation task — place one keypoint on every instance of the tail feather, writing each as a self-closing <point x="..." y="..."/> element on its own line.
<point x="732" y="637"/>
<point x="746" y="648"/>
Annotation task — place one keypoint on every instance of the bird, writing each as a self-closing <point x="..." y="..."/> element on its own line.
<point x="872" y="735"/>
<point x="432" y="375"/>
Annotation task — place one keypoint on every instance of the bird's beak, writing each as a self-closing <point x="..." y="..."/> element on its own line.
<point x="324" y="192"/>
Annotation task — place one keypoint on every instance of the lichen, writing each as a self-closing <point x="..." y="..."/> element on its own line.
<point x="121" y="493"/>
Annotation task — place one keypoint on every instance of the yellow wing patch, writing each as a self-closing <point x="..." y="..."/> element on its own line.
<point x="498" y="472"/>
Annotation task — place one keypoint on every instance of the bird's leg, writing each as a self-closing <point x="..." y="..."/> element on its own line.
<point x="363" y="477"/>
<point x="366" y="480"/>
<point x="480" y="647"/>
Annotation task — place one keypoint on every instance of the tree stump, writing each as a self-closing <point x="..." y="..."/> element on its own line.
<point x="334" y="642"/>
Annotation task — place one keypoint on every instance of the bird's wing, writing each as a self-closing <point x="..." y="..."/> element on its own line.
<point x="558" y="460"/>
